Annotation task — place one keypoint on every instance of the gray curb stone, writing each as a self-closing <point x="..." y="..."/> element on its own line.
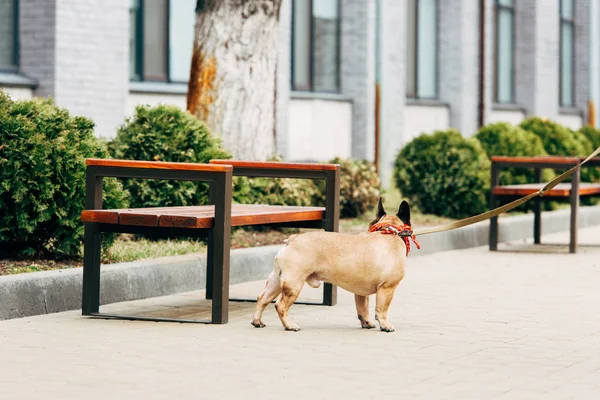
<point x="55" y="291"/>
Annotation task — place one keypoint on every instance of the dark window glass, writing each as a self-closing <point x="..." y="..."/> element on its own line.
<point x="315" y="45"/>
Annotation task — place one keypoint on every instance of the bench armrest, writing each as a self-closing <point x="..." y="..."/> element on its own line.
<point x="175" y="166"/>
<point x="277" y="169"/>
<point x="219" y="176"/>
<point x="274" y="169"/>
<point x="534" y="162"/>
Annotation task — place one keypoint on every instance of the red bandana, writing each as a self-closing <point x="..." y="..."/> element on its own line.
<point x="405" y="231"/>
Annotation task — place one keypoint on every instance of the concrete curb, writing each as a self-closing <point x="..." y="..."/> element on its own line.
<point x="55" y="291"/>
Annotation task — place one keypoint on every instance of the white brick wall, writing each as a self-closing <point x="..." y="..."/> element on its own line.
<point x="582" y="55"/>
<point x="424" y="119"/>
<point x="458" y="63"/>
<point x="92" y="47"/>
<point x="537" y="61"/>
<point x="319" y="129"/>
<point x="38" y="43"/>
<point x="392" y="90"/>
<point x="17" y="93"/>
<point x="358" y="72"/>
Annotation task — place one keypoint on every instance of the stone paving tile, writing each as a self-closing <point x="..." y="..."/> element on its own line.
<point x="470" y="325"/>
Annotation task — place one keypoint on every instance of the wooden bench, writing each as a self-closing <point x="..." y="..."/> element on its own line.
<point x="572" y="191"/>
<point x="213" y="221"/>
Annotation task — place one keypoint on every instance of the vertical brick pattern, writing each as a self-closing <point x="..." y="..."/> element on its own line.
<point x="283" y="77"/>
<point x="37" y="30"/>
<point x="393" y="84"/>
<point x="6" y="33"/>
<point x="92" y="47"/>
<point x="458" y="40"/>
<point x="582" y="55"/>
<point x="537" y="57"/>
<point x="358" y="72"/>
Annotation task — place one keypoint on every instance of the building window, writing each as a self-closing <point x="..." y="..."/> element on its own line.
<point x="161" y="40"/>
<point x="316" y="45"/>
<point x="421" y="67"/>
<point x="567" y="52"/>
<point x="504" y="51"/>
<point x="9" y="37"/>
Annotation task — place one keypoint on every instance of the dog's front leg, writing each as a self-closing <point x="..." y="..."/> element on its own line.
<point x="362" y="309"/>
<point x="384" y="298"/>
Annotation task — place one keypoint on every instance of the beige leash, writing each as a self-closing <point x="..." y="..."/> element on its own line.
<point x="507" y="207"/>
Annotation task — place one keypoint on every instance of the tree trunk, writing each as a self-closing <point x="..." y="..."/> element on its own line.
<point x="232" y="77"/>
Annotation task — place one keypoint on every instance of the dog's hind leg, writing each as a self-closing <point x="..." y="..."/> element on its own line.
<point x="290" y="290"/>
<point x="362" y="309"/>
<point x="272" y="289"/>
<point x="384" y="299"/>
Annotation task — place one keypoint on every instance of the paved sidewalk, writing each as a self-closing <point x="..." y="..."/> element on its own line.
<point x="470" y="324"/>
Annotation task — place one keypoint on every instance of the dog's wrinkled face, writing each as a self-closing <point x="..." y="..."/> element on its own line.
<point x="401" y="218"/>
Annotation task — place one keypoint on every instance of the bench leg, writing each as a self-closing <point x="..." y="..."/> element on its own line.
<point x="91" y="270"/>
<point x="219" y="248"/>
<point x="537" y="221"/>
<point x="493" y="227"/>
<point x="329" y="294"/>
<point x="209" y="266"/>
<point x="574" y="212"/>
<point x="495" y="181"/>
<point x="220" y="275"/>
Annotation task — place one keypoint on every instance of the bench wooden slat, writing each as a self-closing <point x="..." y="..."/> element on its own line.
<point x="203" y="216"/>
<point x="536" y="159"/>
<point x="221" y="167"/>
<point x="561" y="190"/>
<point x="103" y="217"/>
<point x="278" y="165"/>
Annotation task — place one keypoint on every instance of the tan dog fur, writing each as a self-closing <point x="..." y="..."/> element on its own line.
<point x="364" y="264"/>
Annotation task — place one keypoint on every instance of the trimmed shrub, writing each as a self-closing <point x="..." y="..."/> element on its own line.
<point x="559" y="140"/>
<point x="444" y="174"/>
<point x="504" y="139"/>
<point x="165" y="133"/>
<point x="275" y="191"/>
<point x="360" y="187"/>
<point x="592" y="134"/>
<point x="42" y="179"/>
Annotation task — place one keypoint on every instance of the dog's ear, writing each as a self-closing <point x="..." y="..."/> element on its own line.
<point x="404" y="212"/>
<point x="380" y="210"/>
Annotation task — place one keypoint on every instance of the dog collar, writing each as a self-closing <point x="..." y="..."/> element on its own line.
<point x="405" y="232"/>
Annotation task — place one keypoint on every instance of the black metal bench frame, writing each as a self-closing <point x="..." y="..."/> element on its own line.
<point x="538" y="163"/>
<point x="218" y="246"/>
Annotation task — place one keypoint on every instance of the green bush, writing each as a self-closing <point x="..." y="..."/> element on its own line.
<point x="165" y="133"/>
<point x="42" y="178"/>
<point x="360" y="186"/>
<point x="275" y="191"/>
<point x="444" y="174"/>
<point x="556" y="138"/>
<point x="559" y="140"/>
<point x="592" y="134"/>
<point x="504" y="139"/>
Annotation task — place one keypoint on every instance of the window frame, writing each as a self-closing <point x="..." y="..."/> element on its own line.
<point x="139" y="47"/>
<point x="15" y="42"/>
<point x="566" y="21"/>
<point x="497" y="7"/>
<point x="311" y="86"/>
<point x="416" y="58"/>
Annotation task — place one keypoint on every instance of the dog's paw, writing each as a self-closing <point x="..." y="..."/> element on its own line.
<point x="367" y="324"/>
<point x="258" y="324"/>
<point x="388" y="328"/>
<point x="292" y="327"/>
